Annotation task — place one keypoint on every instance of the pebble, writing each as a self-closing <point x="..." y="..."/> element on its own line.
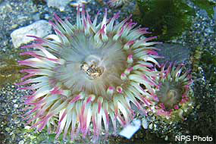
<point x="47" y="16"/>
<point x="166" y="138"/>
<point x="60" y="4"/>
<point x="39" y="28"/>
<point x="21" y="142"/>
<point x="144" y="123"/>
<point x="15" y="105"/>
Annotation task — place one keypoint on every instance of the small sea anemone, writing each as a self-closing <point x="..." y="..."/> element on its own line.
<point x="174" y="93"/>
<point x="116" y="3"/>
<point x="88" y="75"/>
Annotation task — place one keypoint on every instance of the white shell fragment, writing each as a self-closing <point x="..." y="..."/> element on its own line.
<point x="131" y="129"/>
<point x="144" y="123"/>
<point x="39" y="28"/>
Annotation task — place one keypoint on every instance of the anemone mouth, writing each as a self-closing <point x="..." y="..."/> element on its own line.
<point x="92" y="67"/>
<point x="170" y="94"/>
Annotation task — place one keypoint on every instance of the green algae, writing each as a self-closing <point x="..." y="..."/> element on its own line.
<point x="166" y="18"/>
<point x="9" y="68"/>
<point x="9" y="71"/>
<point x="209" y="66"/>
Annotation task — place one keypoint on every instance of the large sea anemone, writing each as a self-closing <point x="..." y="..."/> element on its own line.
<point x="174" y="92"/>
<point x="87" y="76"/>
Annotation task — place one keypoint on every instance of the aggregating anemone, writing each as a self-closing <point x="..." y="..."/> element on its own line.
<point x="85" y="77"/>
<point x="174" y="92"/>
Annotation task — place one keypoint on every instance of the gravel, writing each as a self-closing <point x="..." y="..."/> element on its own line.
<point x="15" y="14"/>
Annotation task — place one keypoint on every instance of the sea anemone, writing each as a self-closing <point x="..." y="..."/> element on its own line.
<point x="174" y="92"/>
<point x="88" y="75"/>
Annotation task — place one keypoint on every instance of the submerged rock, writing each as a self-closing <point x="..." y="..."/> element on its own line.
<point x="39" y="28"/>
<point x="173" y="53"/>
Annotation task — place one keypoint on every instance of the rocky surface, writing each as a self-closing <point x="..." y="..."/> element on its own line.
<point x="58" y="4"/>
<point x="39" y="28"/>
<point x="200" y="42"/>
